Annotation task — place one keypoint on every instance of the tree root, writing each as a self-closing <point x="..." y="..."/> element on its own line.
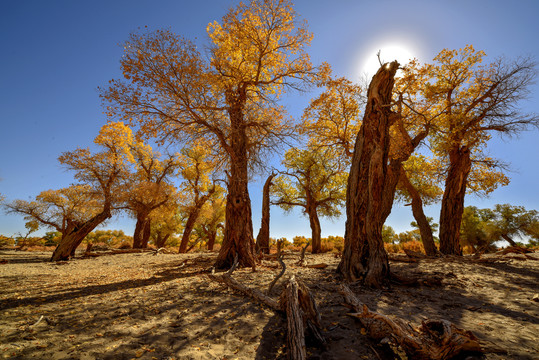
<point x="434" y="339"/>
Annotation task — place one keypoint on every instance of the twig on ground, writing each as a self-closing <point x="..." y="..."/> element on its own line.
<point x="278" y="276"/>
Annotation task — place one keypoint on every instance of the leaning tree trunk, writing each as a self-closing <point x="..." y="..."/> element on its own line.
<point x="238" y="234"/>
<point x="509" y="240"/>
<point x="316" y="232"/>
<point x="191" y="221"/>
<point x="262" y="239"/>
<point x="189" y="226"/>
<point x="364" y="256"/>
<point x="419" y="215"/>
<point x="161" y="240"/>
<point x="69" y="243"/>
<point x="453" y="200"/>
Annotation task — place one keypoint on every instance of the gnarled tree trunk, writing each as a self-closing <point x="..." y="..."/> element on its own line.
<point x="238" y="237"/>
<point x="262" y="239"/>
<point x="453" y="200"/>
<point x="364" y="256"/>
<point x="70" y="241"/>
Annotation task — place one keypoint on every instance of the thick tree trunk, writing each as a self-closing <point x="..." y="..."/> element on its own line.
<point x="453" y="200"/>
<point x="238" y="237"/>
<point x="212" y="235"/>
<point x="70" y="241"/>
<point x="140" y="226"/>
<point x="419" y="215"/>
<point x="262" y="239"/>
<point x="364" y="256"/>
<point x="146" y="232"/>
<point x="316" y="232"/>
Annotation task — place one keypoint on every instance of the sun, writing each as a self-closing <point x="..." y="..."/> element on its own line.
<point x="390" y="52"/>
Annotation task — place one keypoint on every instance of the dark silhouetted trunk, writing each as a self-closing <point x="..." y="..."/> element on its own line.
<point x="140" y="229"/>
<point x="238" y="237"/>
<point x="419" y="216"/>
<point x="73" y="238"/>
<point x="364" y="256"/>
<point x="453" y="200"/>
<point x="146" y="232"/>
<point x="212" y="235"/>
<point x="161" y="240"/>
<point x="316" y="232"/>
<point x="262" y="239"/>
<point x="191" y="220"/>
<point x="509" y="240"/>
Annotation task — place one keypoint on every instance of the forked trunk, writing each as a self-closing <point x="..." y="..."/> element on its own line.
<point x="262" y="239"/>
<point x="161" y="240"/>
<point x="364" y="256"/>
<point x="238" y="237"/>
<point x="453" y="200"/>
<point x="70" y="241"/>
<point x="419" y="216"/>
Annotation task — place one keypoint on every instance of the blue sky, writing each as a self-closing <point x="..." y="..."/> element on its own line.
<point x="54" y="55"/>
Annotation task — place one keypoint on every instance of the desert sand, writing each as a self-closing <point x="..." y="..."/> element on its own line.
<point x="164" y="306"/>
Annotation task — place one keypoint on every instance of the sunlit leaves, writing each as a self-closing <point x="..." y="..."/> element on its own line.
<point x="260" y="45"/>
<point x="314" y="180"/>
<point x="333" y="119"/>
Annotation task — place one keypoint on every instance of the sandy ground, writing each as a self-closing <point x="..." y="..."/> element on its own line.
<point x="129" y="306"/>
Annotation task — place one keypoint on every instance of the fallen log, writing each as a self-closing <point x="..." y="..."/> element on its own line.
<point x="227" y="279"/>
<point x="295" y="338"/>
<point x="434" y="339"/>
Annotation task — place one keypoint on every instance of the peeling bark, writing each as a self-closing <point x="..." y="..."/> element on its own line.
<point x="238" y="235"/>
<point x="364" y="256"/>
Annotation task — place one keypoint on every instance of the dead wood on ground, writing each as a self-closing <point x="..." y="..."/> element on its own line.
<point x="434" y="339"/>
<point x="296" y="301"/>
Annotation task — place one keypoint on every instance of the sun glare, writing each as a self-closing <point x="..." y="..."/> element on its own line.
<point x="388" y="53"/>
